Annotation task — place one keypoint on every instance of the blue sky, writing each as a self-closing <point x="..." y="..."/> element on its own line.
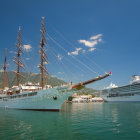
<point x="105" y="32"/>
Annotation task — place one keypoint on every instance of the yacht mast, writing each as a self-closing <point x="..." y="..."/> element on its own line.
<point x="17" y="60"/>
<point x="43" y="55"/>
<point x="4" y="68"/>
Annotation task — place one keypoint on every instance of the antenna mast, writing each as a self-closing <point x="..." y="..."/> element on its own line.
<point x="43" y="55"/>
<point x="17" y="60"/>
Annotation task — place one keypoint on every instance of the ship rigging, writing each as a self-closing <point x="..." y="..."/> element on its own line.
<point x="34" y="97"/>
<point x="44" y="57"/>
<point x="17" y="60"/>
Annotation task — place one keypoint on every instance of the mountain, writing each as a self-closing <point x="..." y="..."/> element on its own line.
<point x="11" y="79"/>
<point x="87" y="91"/>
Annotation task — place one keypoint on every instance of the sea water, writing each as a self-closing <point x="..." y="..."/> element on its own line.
<point x="76" y="121"/>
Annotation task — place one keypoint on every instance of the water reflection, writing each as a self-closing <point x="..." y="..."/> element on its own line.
<point x="115" y="121"/>
<point x="75" y="121"/>
<point x="31" y="124"/>
<point x="122" y="119"/>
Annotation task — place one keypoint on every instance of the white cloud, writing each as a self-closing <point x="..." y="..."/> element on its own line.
<point x="100" y="40"/>
<point x="12" y="52"/>
<point x="83" y="51"/>
<point x="27" y="58"/>
<point x="59" y="57"/>
<point x="27" y="47"/>
<point x="96" y="37"/>
<point x="91" y="42"/>
<point x="88" y="43"/>
<point x="60" y="72"/>
<point x="91" y="49"/>
<point x="76" y="52"/>
<point x="78" y="49"/>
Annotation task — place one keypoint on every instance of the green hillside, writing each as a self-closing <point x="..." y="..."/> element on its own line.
<point x="29" y="77"/>
<point x="35" y="78"/>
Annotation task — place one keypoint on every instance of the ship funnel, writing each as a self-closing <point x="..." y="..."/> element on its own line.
<point x="135" y="79"/>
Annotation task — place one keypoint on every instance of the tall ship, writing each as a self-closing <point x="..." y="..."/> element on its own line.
<point x="130" y="92"/>
<point x="34" y="96"/>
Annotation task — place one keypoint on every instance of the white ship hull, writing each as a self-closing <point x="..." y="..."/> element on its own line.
<point x="135" y="98"/>
<point x="128" y="93"/>
<point x="44" y="100"/>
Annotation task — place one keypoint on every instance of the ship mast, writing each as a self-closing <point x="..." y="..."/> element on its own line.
<point x="44" y="57"/>
<point x="4" y="68"/>
<point x="82" y="84"/>
<point x="17" y="60"/>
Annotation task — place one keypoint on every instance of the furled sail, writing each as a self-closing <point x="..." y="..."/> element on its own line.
<point x="44" y="57"/>
<point x="17" y="60"/>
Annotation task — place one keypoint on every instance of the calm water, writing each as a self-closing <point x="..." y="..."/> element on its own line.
<point x="90" y="121"/>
